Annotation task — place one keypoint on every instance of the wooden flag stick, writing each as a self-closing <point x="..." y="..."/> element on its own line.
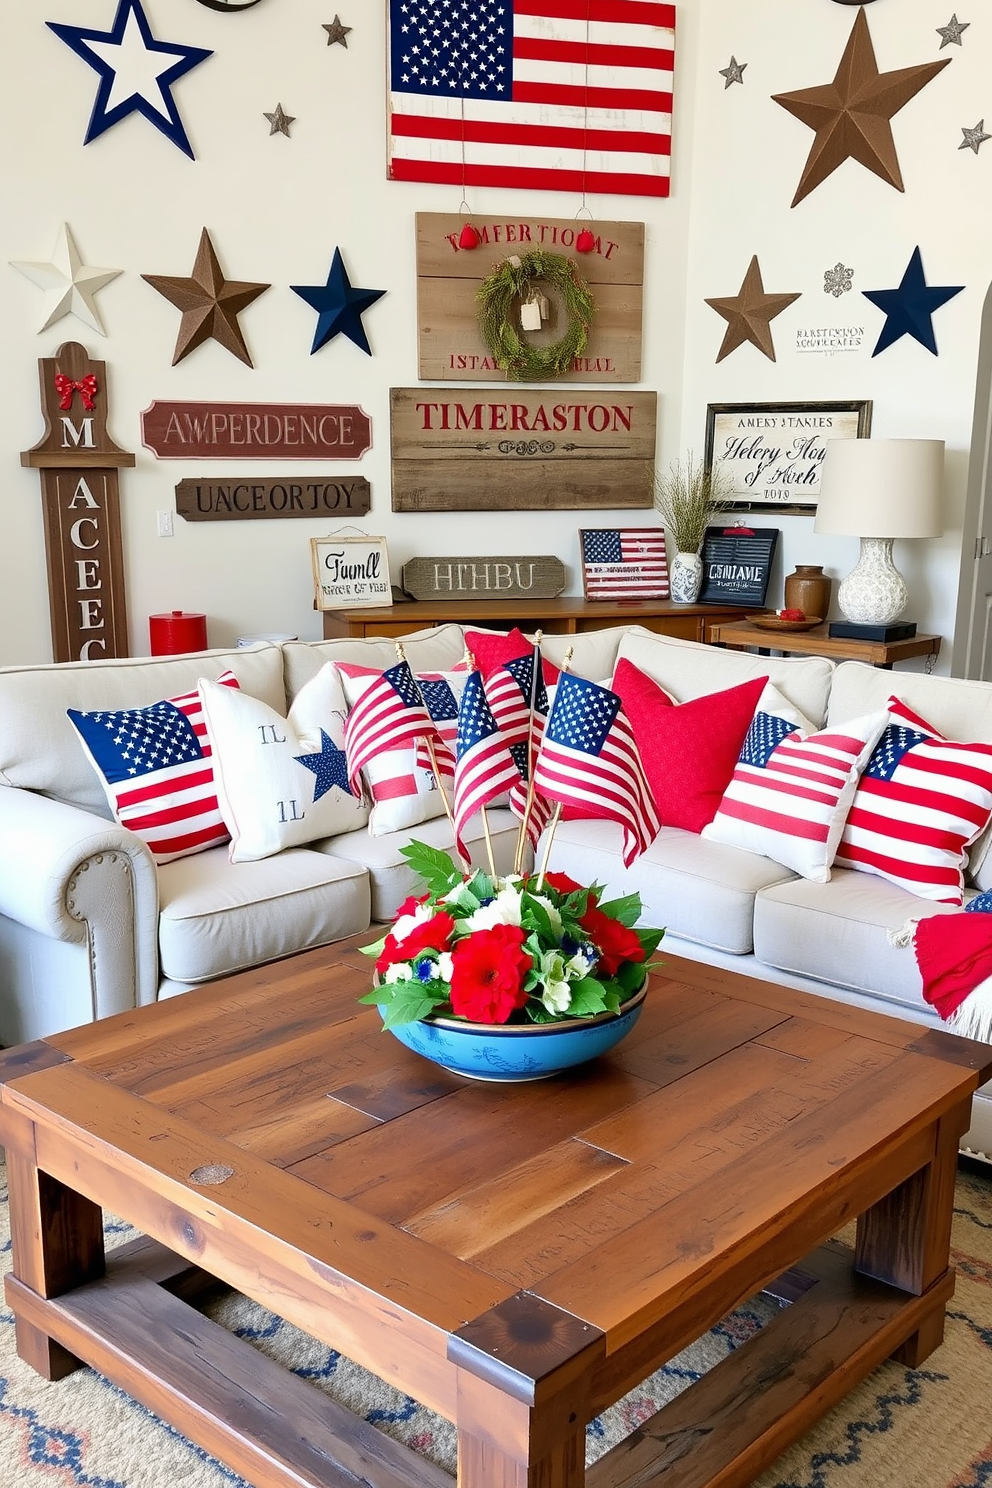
<point x="556" y="818"/>
<point x="401" y="656"/>
<point x="470" y="663"/>
<point x="518" y="855"/>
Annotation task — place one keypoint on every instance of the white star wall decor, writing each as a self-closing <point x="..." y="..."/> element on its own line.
<point x="71" y="283"/>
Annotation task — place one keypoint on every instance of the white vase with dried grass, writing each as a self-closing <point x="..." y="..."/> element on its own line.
<point x="687" y="498"/>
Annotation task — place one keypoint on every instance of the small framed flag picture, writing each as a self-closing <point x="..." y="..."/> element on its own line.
<point x="624" y="563"/>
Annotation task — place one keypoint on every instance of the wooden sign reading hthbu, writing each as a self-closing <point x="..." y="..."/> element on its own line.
<point x="449" y="276"/>
<point x="79" y="461"/>
<point x="265" y="431"/>
<point x="539" y="577"/>
<point x="241" y="497"/>
<point x="454" y="449"/>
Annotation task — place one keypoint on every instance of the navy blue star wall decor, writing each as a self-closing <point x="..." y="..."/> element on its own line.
<point x="909" y="309"/>
<point x="339" y="307"/>
<point x="136" y="72"/>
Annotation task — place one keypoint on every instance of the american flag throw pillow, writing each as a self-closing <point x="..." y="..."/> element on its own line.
<point x="790" y="791"/>
<point x="921" y="802"/>
<point x="155" y="767"/>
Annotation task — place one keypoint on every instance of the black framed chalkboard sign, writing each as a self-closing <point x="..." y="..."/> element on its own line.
<point x="737" y="563"/>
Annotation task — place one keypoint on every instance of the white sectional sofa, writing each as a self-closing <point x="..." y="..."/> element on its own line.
<point x="90" y="925"/>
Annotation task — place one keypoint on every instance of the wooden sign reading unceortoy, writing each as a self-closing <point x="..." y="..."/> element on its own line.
<point x="454" y="449"/>
<point x="539" y="577"/>
<point x="240" y="498"/>
<point x="449" y="276"/>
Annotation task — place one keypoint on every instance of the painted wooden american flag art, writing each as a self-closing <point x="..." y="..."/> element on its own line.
<point x="624" y="563"/>
<point x="549" y="95"/>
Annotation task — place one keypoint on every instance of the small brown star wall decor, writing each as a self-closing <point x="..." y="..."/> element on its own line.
<point x="850" y="116"/>
<point x="210" y="304"/>
<point x="336" y="32"/>
<point x="279" y="120"/>
<point x="749" y="314"/>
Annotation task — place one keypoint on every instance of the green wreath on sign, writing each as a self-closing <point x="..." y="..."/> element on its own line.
<point x="511" y="281"/>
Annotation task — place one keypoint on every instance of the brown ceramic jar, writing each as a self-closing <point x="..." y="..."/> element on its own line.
<point x="808" y="589"/>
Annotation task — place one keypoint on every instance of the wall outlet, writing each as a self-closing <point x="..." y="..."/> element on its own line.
<point x="165" y="524"/>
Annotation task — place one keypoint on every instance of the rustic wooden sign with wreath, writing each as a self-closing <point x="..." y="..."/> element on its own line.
<point x="529" y="299"/>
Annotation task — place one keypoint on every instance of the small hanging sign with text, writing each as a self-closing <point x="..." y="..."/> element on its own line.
<point x="264" y="431"/>
<point x="544" y="449"/>
<point x="245" y="497"/>
<point x="350" y="572"/>
<point x="737" y="563"/>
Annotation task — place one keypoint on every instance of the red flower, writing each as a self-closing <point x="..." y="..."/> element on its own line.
<point x="614" y="941"/>
<point x="562" y="882"/>
<point x="488" y="969"/>
<point x="432" y="934"/>
<point x="409" y="905"/>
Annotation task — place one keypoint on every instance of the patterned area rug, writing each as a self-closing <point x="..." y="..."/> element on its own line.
<point x="903" y="1428"/>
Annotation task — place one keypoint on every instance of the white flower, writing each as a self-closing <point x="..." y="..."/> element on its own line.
<point x="578" y="965"/>
<point x="400" y="971"/>
<point x="403" y="926"/>
<point x="445" y="966"/>
<point x="503" y="910"/>
<point x="460" y="897"/>
<point x="557" y="997"/>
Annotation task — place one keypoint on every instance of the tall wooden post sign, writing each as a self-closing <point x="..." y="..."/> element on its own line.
<point x="79" y="462"/>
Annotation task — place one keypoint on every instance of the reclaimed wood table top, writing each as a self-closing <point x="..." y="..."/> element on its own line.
<point x="515" y="1256"/>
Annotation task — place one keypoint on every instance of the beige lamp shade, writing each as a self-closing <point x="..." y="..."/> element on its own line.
<point x="881" y="488"/>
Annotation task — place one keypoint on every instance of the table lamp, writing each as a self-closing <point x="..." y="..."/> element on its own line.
<point x="878" y="490"/>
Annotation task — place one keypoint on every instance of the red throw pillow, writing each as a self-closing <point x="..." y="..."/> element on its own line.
<point x="493" y="649"/>
<point x="688" y="751"/>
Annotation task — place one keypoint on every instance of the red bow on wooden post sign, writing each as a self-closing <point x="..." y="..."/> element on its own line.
<point x="65" y="387"/>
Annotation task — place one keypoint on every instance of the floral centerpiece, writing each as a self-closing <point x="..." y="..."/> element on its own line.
<point x="524" y="949"/>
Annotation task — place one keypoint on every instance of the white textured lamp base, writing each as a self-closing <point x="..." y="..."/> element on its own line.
<point x="874" y="593"/>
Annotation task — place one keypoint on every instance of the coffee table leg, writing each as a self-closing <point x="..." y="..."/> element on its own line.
<point x="56" y="1243"/>
<point x="905" y="1239"/>
<point x="525" y="1373"/>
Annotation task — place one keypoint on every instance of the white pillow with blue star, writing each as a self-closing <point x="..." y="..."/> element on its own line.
<point x="281" y="781"/>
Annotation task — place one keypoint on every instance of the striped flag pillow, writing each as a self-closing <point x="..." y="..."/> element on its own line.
<point x="155" y="767"/>
<point x="790" y="791"/>
<point x="921" y="802"/>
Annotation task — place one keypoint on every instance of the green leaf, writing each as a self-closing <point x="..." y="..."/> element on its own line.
<point x="650" y="940"/>
<point x="630" y="976"/>
<point x="482" y="887"/>
<point x="435" y="867"/>
<point x="534" y="916"/>
<point x="411" y="1001"/>
<point x="627" y="910"/>
<point x="587" y="998"/>
<point x="374" y="950"/>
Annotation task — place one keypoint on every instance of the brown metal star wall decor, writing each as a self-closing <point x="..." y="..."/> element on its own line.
<point x="210" y="304"/>
<point x="850" y="116"/>
<point x="749" y="314"/>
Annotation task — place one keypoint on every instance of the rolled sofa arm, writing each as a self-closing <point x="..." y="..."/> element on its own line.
<point x="75" y="877"/>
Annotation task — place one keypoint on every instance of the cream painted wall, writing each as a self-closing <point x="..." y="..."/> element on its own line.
<point x="277" y="207"/>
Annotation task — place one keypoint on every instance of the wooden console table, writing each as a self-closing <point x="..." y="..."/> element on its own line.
<point x="687" y="622"/>
<point x="739" y="636"/>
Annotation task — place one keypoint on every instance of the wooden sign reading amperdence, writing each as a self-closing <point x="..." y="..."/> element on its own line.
<point x="539" y="577"/>
<point x="78" y="462"/>
<point x="245" y="497"/>
<point x="264" y="431"/>
<point x="454" y="449"/>
<point x="449" y="276"/>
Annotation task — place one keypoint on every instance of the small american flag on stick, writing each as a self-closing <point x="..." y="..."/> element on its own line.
<point x="484" y="766"/>
<point x="550" y="95"/>
<point x="624" y="563"/>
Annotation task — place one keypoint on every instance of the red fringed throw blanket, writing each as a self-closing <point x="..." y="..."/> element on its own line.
<point x="954" y="954"/>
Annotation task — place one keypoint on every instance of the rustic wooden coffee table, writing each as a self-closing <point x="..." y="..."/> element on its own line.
<point x="516" y="1257"/>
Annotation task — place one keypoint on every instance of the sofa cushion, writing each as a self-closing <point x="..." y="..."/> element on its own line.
<point x="922" y="800"/>
<point x="838" y="932"/>
<point x="791" y="790"/>
<point x="688" y="669"/>
<point x="392" y="879"/>
<point x="700" y="891"/>
<point x="434" y="650"/>
<point x="156" y="769"/>
<point x="281" y="781"/>
<point x="494" y="648"/>
<point x="689" y="751"/>
<point x="39" y="748"/>
<point x="218" y="917"/>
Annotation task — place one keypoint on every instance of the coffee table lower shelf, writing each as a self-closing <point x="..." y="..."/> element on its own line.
<point x="279" y="1431"/>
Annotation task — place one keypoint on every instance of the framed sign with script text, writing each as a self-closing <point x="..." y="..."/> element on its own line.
<point x="350" y="572"/>
<point x="772" y="452"/>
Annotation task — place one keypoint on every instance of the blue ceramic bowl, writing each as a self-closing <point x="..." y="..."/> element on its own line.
<point x="520" y="1051"/>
